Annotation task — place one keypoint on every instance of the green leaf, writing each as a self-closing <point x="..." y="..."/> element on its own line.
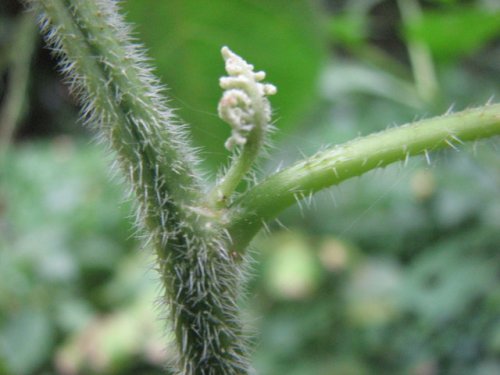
<point x="184" y="38"/>
<point x="455" y="32"/>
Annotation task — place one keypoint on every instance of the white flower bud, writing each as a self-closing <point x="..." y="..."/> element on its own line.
<point x="238" y="104"/>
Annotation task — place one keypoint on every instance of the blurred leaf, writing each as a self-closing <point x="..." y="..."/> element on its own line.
<point x="110" y="343"/>
<point x="129" y="279"/>
<point x="185" y="37"/>
<point x="351" y="77"/>
<point x="455" y="32"/>
<point x="25" y="340"/>
<point x="440" y="285"/>
<point x="291" y="269"/>
<point x="337" y="255"/>
<point x="62" y="224"/>
<point x="61" y="207"/>
<point x="74" y="313"/>
<point x="488" y="368"/>
<point x="372" y="292"/>
<point x="349" y="29"/>
<point x="341" y="366"/>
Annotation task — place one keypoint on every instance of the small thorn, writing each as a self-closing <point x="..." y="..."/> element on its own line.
<point x="450" y="109"/>
<point x="456" y="139"/>
<point x="332" y="195"/>
<point x="407" y="158"/>
<point x="335" y="172"/>
<point x="310" y="199"/>
<point x="449" y="143"/>
<point x="266" y="227"/>
<point x="474" y="148"/>
<point x="280" y="165"/>
<point x="427" y="157"/>
<point x="299" y="203"/>
<point x="281" y="224"/>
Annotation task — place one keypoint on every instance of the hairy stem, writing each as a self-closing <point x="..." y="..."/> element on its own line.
<point x="281" y="190"/>
<point x="122" y="100"/>
<point x="199" y="240"/>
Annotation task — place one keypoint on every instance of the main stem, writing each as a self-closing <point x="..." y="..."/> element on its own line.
<point x="122" y="101"/>
<point x="281" y="190"/>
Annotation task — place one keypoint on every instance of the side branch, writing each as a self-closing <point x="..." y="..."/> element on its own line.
<point x="244" y="106"/>
<point x="279" y="191"/>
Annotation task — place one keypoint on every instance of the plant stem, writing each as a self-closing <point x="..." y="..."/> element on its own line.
<point x="420" y="55"/>
<point x="198" y="254"/>
<point x="245" y="107"/>
<point x="281" y="190"/>
<point x="19" y="62"/>
<point x="241" y="164"/>
<point x="122" y="100"/>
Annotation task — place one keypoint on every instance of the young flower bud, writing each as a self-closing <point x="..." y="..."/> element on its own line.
<point x="244" y="104"/>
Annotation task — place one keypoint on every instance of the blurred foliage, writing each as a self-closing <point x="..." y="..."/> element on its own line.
<point x="408" y="275"/>
<point x="66" y="240"/>
<point x="393" y="273"/>
<point x="280" y="37"/>
<point x="438" y="29"/>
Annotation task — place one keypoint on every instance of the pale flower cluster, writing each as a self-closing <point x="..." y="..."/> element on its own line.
<point x="244" y="104"/>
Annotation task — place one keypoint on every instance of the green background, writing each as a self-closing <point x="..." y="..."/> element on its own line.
<point x="396" y="272"/>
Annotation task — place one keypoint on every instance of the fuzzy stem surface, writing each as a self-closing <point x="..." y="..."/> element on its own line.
<point x="281" y="190"/>
<point x="123" y="102"/>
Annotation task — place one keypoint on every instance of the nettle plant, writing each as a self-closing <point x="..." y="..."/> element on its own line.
<point x="201" y="230"/>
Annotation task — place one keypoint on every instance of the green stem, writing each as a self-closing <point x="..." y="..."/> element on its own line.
<point x="381" y="60"/>
<point x="243" y="104"/>
<point x="123" y="102"/>
<point x="420" y="55"/>
<point x="283" y="189"/>
<point x="20" y="61"/>
<point x="241" y="165"/>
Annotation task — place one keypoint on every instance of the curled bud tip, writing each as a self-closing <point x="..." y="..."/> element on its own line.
<point x="243" y="104"/>
<point x="270" y="89"/>
<point x="259" y="76"/>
